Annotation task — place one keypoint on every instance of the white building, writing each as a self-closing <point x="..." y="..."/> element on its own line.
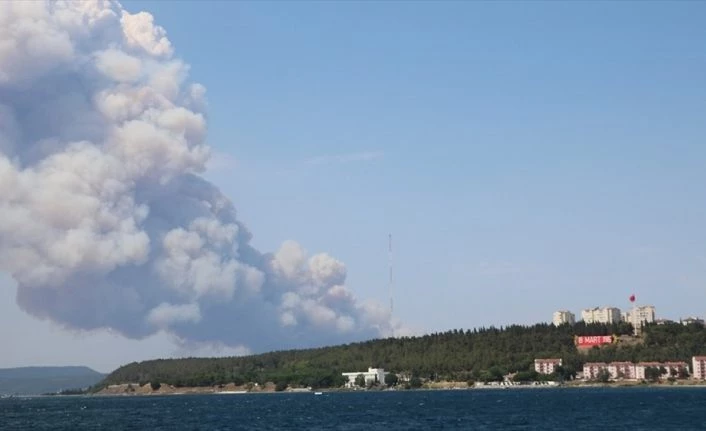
<point x="631" y="371"/>
<point x="642" y="366"/>
<point x="592" y="369"/>
<point x="622" y="370"/>
<point x="671" y="369"/>
<point x="639" y="316"/>
<point x="546" y="366"/>
<point x="373" y="375"/>
<point x="675" y="368"/>
<point x="698" y="367"/>
<point x="601" y="315"/>
<point x="562" y="316"/>
<point x="664" y="321"/>
<point x="692" y="321"/>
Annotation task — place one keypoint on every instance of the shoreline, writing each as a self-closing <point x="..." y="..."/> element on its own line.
<point x="165" y="390"/>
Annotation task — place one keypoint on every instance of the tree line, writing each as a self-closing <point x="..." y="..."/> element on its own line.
<point x="481" y="354"/>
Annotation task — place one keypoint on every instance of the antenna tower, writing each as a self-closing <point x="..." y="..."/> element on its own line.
<point x="390" y="281"/>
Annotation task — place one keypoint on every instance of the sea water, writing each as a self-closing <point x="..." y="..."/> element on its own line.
<point x="511" y="409"/>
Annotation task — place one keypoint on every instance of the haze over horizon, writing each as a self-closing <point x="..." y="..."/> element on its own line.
<point x="526" y="157"/>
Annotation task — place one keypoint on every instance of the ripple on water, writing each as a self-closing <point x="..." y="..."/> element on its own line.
<point x="576" y="409"/>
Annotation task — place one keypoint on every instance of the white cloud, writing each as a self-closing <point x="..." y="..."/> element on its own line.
<point x="221" y="162"/>
<point x="140" y="32"/>
<point x="165" y="314"/>
<point x="118" y="65"/>
<point x="105" y="220"/>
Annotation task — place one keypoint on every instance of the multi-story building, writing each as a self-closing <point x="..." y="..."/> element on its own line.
<point x="562" y="316"/>
<point x="675" y="369"/>
<point x="631" y="371"/>
<point x="698" y="367"/>
<point x="546" y="366"/>
<point x="692" y="321"/>
<point x="663" y="321"/>
<point x="640" y="368"/>
<point x="601" y="315"/>
<point x="639" y="316"/>
<point x="622" y="370"/>
<point x="592" y="369"/>
<point x="670" y="369"/>
<point x="373" y="375"/>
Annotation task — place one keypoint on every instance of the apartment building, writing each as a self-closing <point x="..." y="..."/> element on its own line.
<point x="622" y="370"/>
<point x="642" y="366"/>
<point x="631" y="371"/>
<point x="692" y="321"/>
<point x="639" y="316"/>
<point x="601" y="315"/>
<point x="546" y="366"/>
<point x="698" y="367"/>
<point x="676" y="368"/>
<point x="562" y="317"/>
<point x="592" y="369"/>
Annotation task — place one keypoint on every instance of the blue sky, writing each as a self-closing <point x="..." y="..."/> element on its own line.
<point x="532" y="156"/>
<point x="525" y="156"/>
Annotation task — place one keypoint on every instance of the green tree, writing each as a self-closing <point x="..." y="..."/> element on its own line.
<point x="566" y="372"/>
<point x="155" y="385"/>
<point x="391" y="379"/>
<point x="415" y="382"/>
<point x="653" y="374"/>
<point x="360" y="380"/>
<point x="683" y="373"/>
<point x="603" y="376"/>
<point x="526" y="376"/>
<point x="493" y="374"/>
<point x="475" y="354"/>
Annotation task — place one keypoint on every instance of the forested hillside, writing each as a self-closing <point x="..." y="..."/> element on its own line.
<point x="479" y="354"/>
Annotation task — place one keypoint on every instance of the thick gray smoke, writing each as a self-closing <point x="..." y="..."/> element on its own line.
<point x="104" y="219"/>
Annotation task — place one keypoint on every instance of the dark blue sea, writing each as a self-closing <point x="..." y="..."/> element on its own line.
<point x="512" y="409"/>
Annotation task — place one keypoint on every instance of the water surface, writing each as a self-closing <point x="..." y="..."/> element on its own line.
<point x="512" y="409"/>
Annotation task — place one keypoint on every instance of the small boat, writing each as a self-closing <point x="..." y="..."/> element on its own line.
<point x="318" y="393"/>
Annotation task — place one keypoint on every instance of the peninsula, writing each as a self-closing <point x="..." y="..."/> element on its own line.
<point x="483" y="355"/>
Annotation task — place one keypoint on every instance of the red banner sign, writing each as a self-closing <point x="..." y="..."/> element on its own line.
<point x="593" y="340"/>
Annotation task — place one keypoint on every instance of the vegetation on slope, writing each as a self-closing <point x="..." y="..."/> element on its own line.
<point x="479" y="354"/>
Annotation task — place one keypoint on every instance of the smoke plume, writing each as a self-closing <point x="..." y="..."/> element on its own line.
<point x="104" y="219"/>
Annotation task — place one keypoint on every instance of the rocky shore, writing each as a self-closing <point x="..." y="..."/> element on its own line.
<point x="165" y="389"/>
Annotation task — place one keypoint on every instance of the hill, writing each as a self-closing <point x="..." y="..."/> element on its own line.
<point x="41" y="380"/>
<point x="480" y="354"/>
